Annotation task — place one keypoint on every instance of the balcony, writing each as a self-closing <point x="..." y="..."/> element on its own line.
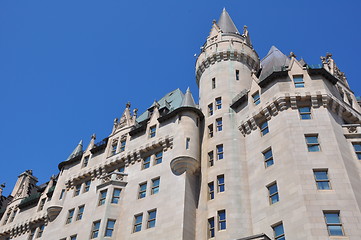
<point x="113" y="178"/>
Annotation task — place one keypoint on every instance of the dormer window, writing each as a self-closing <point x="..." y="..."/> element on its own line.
<point x="152" y="131"/>
<point x="298" y="81"/>
<point x="256" y="98"/>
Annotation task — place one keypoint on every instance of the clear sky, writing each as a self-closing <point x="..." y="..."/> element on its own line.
<point x="67" y="68"/>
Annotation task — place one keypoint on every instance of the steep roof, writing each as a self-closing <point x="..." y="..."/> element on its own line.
<point x="188" y="100"/>
<point x="274" y="61"/>
<point x="226" y="24"/>
<point x="78" y="150"/>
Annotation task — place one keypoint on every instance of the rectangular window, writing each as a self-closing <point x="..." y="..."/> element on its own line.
<point x="211" y="190"/>
<point x="40" y="232"/>
<point x="142" y="190"/>
<point x="114" y="148"/>
<point x="218" y="103"/>
<point x="357" y="147"/>
<point x="62" y="194"/>
<point x="155" y="185"/>
<point x="152" y="131"/>
<point x="77" y="190"/>
<point x="85" y="161"/>
<point x="109" y="228"/>
<point x="73" y="237"/>
<point x="210" y="227"/>
<point x="70" y="216"/>
<point x="95" y="229"/>
<point x="210" y="131"/>
<point x="210" y="109"/>
<point x="305" y="113"/>
<point x="298" y="81"/>
<point x="87" y="186"/>
<point x="210" y="158"/>
<point x="138" y="222"/>
<point x="312" y="143"/>
<point x="102" y="197"/>
<point x="321" y="178"/>
<point x="220" y="183"/>
<point x="264" y="128"/>
<point x="220" y="152"/>
<point x="42" y="203"/>
<point x="268" y="158"/>
<point x="122" y="145"/>
<point x="13" y="216"/>
<point x="219" y="124"/>
<point x="221" y="220"/>
<point x="158" y="157"/>
<point x="116" y="195"/>
<point x="278" y="232"/>
<point x="121" y="169"/>
<point x="79" y="216"/>
<point x="146" y="162"/>
<point x="151" y="218"/>
<point x="213" y="83"/>
<point x="237" y="75"/>
<point x="256" y="98"/>
<point x="333" y="222"/>
<point x="273" y="193"/>
<point x="187" y="142"/>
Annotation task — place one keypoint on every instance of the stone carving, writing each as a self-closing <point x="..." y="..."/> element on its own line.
<point x="352" y="129"/>
<point x="330" y="65"/>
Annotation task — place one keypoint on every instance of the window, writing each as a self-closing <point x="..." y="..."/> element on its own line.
<point x="62" y="194"/>
<point x="116" y="195"/>
<point x="218" y="103"/>
<point x="305" y="113"/>
<point x="237" y="75"/>
<point x="322" y="180"/>
<point x="13" y="216"/>
<point x="70" y="216"/>
<point x="268" y="158"/>
<point x="85" y="161"/>
<point x="122" y="145"/>
<point x="102" y="197"/>
<point x="256" y="98"/>
<point x="334" y="225"/>
<point x="210" y="131"/>
<point x="221" y="220"/>
<point x="155" y="185"/>
<point x="41" y="205"/>
<point x="87" y="186"/>
<point x="114" y="148"/>
<point x="109" y="228"/>
<point x="79" y="216"/>
<point x="264" y="128"/>
<point x="142" y="190"/>
<point x="73" y="237"/>
<point x="40" y="232"/>
<point x="220" y="183"/>
<point x="210" y="109"/>
<point x="210" y="158"/>
<point x="213" y="83"/>
<point x="151" y="218"/>
<point x="7" y="217"/>
<point x="146" y="162"/>
<point x="219" y="124"/>
<point x="152" y="131"/>
<point x="121" y="169"/>
<point x="77" y="190"/>
<point x="220" y="152"/>
<point x="273" y="193"/>
<point x="278" y="232"/>
<point x="210" y="227"/>
<point x="312" y="143"/>
<point x="187" y="142"/>
<point x="211" y="190"/>
<point x="32" y="234"/>
<point x="138" y="222"/>
<point x="298" y="81"/>
<point x="158" y="157"/>
<point x="357" y="147"/>
<point x="95" y="229"/>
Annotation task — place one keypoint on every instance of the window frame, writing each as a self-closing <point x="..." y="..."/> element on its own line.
<point x="70" y="216"/>
<point x="40" y="231"/>
<point x="211" y="190"/>
<point x="77" y="190"/>
<point x="298" y="84"/>
<point x="221" y="186"/>
<point x="79" y="215"/>
<point x="220" y="154"/>
<point x="310" y="145"/>
<point x="219" y="124"/>
<point x="210" y="109"/>
<point x="308" y="114"/>
<point x="102" y="197"/>
<point x="122" y="145"/>
<point x="211" y="228"/>
<point x="280" y="236"/>
<point x="95" y="229"/>
<point x="213" y="83"/>
<point x="271" y="195"/>
<point x="222" y="220"/>
<point x="237" y="74"/>
<point x="218" y="103"/>
<point x="339" y="224"/>
<point x="357" y="149"/>
<point x="137" y="224"/>
<point x="158" y="159"/>
<point x="266" y="159"/>
<point x="210" y="130"/>
<point x="151" y="220"/>
<point x="142" y="191"/>
<point x="256" y="98"/>
<point x="152" y="131"/>
<point x="155" y="188"/>
<point x="108" y="228"/>
<point x="317" y="181"/>
<point x="211" y="159"/>
<point x="86" y="186"/>
<point x="146" y="162"/>
<point x="86" y="161"/>
<point x="115" y="198"/>
<point x="264" y="128"/>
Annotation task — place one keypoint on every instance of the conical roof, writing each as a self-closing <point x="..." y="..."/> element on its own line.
<point x="226" y="24"/>
<point x="274" y="61"/>
<point x="76" y="151"/>
<point x="188" y="100"/>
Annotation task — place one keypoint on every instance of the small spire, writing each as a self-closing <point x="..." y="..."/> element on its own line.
<point x="226" y="24"/>
<point x="76" y="151"/>
<point x="188" y="100"/>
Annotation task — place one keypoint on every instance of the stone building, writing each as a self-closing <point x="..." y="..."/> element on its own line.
<point x="270" y="152"/>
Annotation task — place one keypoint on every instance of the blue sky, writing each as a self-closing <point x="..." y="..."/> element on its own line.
<point x="67" y="68"/>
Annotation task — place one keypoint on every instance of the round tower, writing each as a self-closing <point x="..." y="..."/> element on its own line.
<point x="224" y="70"/>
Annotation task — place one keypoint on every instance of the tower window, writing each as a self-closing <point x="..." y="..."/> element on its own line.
<point x="305" y="113"/>
<point x="116" y="195"/>
<point x="158" y="157"/>
<point x="357" y="147"/>
<point x="213" y="83"/>
<point x="211" y="190"/>
<point x="264" y="128"/>
<point x="62" y="194"/>
<point x="273" y="193"/>
<point x="210" y="159"/>
<point x="312" y="143"/>
<point x="278" y="232"/>
<point x="218" y="103"/>
<point x="333" y="222"/>
<point x="73" y="237"/>
<point x="109" y="228"/>
<point x="322" y="180"/>
<point x="42" y="203"/>
<point x="85" y="161"/>
<point x="155" y="185"/>
<point x="268" y="158"/>
<point x="146" y="162"/>
<point x="187" y="142"/>
<point x="220" y="183"/>
<point x="77" y="190"/>
<point x="211" y="227"/>
<point x="114" y="148"/>
<point x="222" y="220"/>
<point x="102" y="197"/>
<point x="70" y="216"/>
<point x="95" y="229"/>
<point x="210" y="131"/>
<point x="151" y="218"/>
<point x="237" y="75"/>
<point x="122" y="145"/>
<point x="138" y="222"/>
<point x="152" y="131"/>
<point x="298" y="81"/>
<point x="219" y="124"/>
<point x="256" y="98"/>
<point x="142" y="190"/>
<point x="87" y="186"/>
<point x="220" y="152"/>
<point x="79" y="216"/>
<point x="210" y="109"/>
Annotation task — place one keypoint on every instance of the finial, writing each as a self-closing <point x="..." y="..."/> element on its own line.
<point x="328" y="55"/>
<point x="93" y="136"/>
<point x="135" y="112"/>
<point x="292" y="55"/>
<point x="127" y="105"/>
<point x="224" y="9"/>
<point x="214" y="21"/>
<point x="188" y="89"/>
<point x="29" y="171"/>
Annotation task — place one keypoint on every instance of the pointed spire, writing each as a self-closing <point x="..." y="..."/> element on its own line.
<point x="226" y="24"/>
<point x="275" y="60"/>
<point x="76" y="151"/>
<point x="188" y="100"/>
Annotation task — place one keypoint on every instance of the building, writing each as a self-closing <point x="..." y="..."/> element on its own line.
<point x="272" y="151"/>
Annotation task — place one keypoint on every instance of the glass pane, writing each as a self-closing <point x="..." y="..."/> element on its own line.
<point x="111" y="224"/>
<point x="221" y="188"/>
<point x="138" y="219"/>
<point x="323" y="185"/>
<point x="265" y="131"/>
<point x="299" y="85"/>
<point x="151" y="224"/>
<point x="263" y="125"/>
<point x="278" y="230"/>
<point x="321" y="175"/>
<point x="222" y="225"/>
<point x="272" y="189"/>
<point x="109" y="232"/>
<point x="211" y="187"/>
<point x="306" y="116"/>
<point x="313" y="148"/>
<point x="156" y="182"/>
<point x="222" y="215"/>
<point x="304" y="109"/>
<point x="274" y="199"/>
<point x="298" y="79"/>
<point x="138" y="228"/>
<point x="332" y="218"/>
<point x="357" y="147"/>
<point x="268" y="154"/>
<point x="359" y="156"/>
<point x="155" y="190"/>
<point x="152" y="214"/>
<point x="312" y="139"/>
<point x="269" y="163"/>
<point x="335" y="230"/>
<point x="143" y="187"/>
<point x="220" y="179"/>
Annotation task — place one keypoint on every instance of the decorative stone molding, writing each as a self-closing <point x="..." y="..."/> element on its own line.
<point x="18" y="229"/>
<point x="182" y="164"/>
